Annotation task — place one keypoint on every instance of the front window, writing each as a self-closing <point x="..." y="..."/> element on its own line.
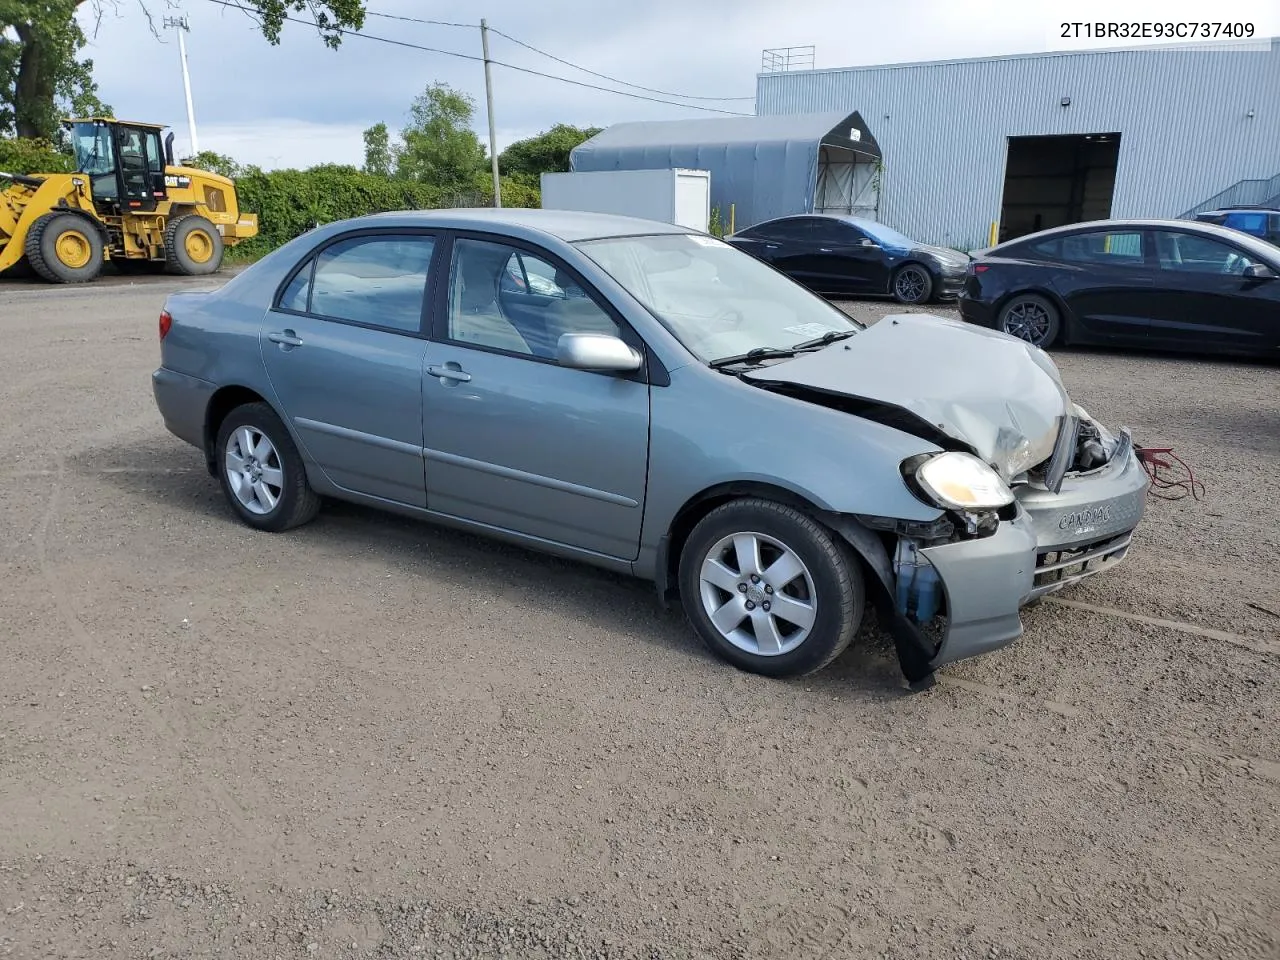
<point x="718" y="301"/>
<point x="1191" y="253"/>
<point x="92" y="144"/>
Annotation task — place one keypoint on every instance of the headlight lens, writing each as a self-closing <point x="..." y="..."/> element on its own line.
<point x="960" y="481"/>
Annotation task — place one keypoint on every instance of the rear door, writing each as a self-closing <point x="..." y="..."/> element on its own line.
<point x="1107" y="281"/>
<point x="1205" y="299"/>
<point x="343" y="347"/>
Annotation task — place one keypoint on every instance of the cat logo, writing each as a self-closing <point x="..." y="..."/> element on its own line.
<point x="175" y="181"/>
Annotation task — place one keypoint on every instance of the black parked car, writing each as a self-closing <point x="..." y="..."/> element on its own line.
<point x="1162" y="284"/>
<point x="849" y="257"/>
<point x="1258" y="221"/>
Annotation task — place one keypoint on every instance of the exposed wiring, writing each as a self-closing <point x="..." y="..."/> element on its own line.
<point x="329" y="28"/>
<point x="1156" y="459"/>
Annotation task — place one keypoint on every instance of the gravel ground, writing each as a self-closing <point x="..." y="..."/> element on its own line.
<point x="374" y="738"/>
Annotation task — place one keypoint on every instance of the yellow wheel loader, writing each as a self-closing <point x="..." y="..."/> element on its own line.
<point x="127" y="202"/>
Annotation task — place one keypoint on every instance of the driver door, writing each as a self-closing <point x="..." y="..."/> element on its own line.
<point x="513" y="441"/>
<point x="1202" y="295"/>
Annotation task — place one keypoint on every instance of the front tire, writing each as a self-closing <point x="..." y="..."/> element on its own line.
<point x="912" y="283"/>
<point x="64" y="248"/>
<point x="192" y="246"/>
<point x="261" y="473"/>
<point x="1031" y="318"/>
<point x="769" y="589"/>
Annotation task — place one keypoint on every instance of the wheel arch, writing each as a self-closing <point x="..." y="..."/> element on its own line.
<point x="1067" y="325"/>
<point x="221" y="403"/>
<point x="84" y="215"/>
<point x="867" y="546"/>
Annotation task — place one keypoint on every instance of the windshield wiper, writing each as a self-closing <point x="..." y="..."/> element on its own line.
<point x="759" y="353"/>
<point x="830" y="337"/>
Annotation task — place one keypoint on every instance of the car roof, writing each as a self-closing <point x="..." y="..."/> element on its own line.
<point x="566" y="225"/>
<point x="1186" y="226"/>
<point x="1224" y="211"/>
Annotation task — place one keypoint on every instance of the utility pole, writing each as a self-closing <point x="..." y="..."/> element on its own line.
<point x="488" y="96"/>
<point x="182" y="27"/>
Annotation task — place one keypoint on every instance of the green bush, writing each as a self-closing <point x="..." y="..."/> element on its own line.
<point x="20" y="155"/>
<point x="290" y="202"/>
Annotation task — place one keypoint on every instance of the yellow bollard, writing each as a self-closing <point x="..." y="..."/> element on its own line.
<point x="993" y="234"/>
<point x="731" y="218"/>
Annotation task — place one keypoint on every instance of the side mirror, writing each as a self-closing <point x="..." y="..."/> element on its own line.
<point x="1258" y="271"/>
<point x="868" y="244"/>
<point x="597" y="351"/>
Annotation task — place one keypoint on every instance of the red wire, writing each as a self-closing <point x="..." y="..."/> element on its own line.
<point x="1153" y="463"/>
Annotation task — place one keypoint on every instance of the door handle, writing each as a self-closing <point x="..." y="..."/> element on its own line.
<point x="286" y="338"/>
<point x="450" y="371"/>
<point x="824" y="249"/>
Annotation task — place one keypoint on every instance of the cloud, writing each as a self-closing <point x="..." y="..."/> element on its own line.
<point x="301" y="102"/>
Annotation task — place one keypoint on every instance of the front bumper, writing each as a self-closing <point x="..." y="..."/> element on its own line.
<point x="1088" y="525"/>
<point x="1053" y="541"/>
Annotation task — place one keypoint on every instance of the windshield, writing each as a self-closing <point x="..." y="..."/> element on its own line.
<point x="885" y="236"/>
<point x="718" y="301"/>
<point x="92" y="144"/>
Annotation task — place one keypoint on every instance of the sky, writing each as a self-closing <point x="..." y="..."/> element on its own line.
<point x="300" y="103"/>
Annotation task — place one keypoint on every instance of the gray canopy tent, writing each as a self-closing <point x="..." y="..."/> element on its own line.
<point x="766" y="167"/>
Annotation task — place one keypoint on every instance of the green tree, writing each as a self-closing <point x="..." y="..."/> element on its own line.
<point x="40" y="41"/>
<point x="216" y="163"/>
<point x="41" y="75"/>
<point x="548" y="152"/>
<point x="438" y="146"/>
<point x="377" y="151"/>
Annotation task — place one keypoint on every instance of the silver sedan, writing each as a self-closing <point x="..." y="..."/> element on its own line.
<point x="649" y="399"/>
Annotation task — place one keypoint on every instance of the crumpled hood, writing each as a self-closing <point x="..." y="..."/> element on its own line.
<point x="996" y="394"/>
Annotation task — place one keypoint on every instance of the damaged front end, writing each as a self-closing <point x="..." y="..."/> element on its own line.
<point x="957" y="585"/>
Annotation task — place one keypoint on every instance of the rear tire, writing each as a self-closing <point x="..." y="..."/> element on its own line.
<point x="1031" y="318"/>
<point x="192" y="246"/>
<point x="769" y="589"/>
<point x="261" y="473"/>
<point x="64" y="248"/>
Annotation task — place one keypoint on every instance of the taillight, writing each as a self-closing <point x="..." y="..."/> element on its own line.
<point x="981" y="268"/>
<point x="166" y="322"/>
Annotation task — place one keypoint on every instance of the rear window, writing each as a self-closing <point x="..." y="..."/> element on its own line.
<point x="1108" y="248"/>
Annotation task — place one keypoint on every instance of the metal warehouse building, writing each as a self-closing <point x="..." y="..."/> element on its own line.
<point x="1034" y="141"/>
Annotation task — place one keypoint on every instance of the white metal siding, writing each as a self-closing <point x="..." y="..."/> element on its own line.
<point x="1182" y="115"/>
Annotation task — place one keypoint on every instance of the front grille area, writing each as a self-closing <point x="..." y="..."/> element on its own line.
<point x="1056" y="569"/>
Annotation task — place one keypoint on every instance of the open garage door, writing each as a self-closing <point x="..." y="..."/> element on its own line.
<point x="1054" y="181"/>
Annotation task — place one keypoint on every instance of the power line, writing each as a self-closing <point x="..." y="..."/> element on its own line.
<point x="603" y="76"/>
<point x="552" y="56"/>
<point x="468" y="56"/>
<point x="434" y="23"/>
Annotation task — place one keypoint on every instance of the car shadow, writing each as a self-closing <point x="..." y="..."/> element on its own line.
<point x="176" y="479"/>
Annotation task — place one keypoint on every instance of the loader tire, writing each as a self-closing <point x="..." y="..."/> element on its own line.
<point x="64" y="248"/>
<point x="192" y="246"/>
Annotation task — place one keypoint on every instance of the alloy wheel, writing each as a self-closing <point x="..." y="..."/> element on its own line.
<point x="1028" y="320"/>
<point x="254" y="470"/>
<point x="758" y="594"/>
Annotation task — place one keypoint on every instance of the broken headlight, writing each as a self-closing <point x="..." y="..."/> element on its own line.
<point x="960" y="481"/>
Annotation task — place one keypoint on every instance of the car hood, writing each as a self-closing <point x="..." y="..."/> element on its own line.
<point x="947" y="256"/>
<point x="992" y="393"/>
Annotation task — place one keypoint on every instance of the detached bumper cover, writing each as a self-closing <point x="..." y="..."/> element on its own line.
<point x="986" y="583"/>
